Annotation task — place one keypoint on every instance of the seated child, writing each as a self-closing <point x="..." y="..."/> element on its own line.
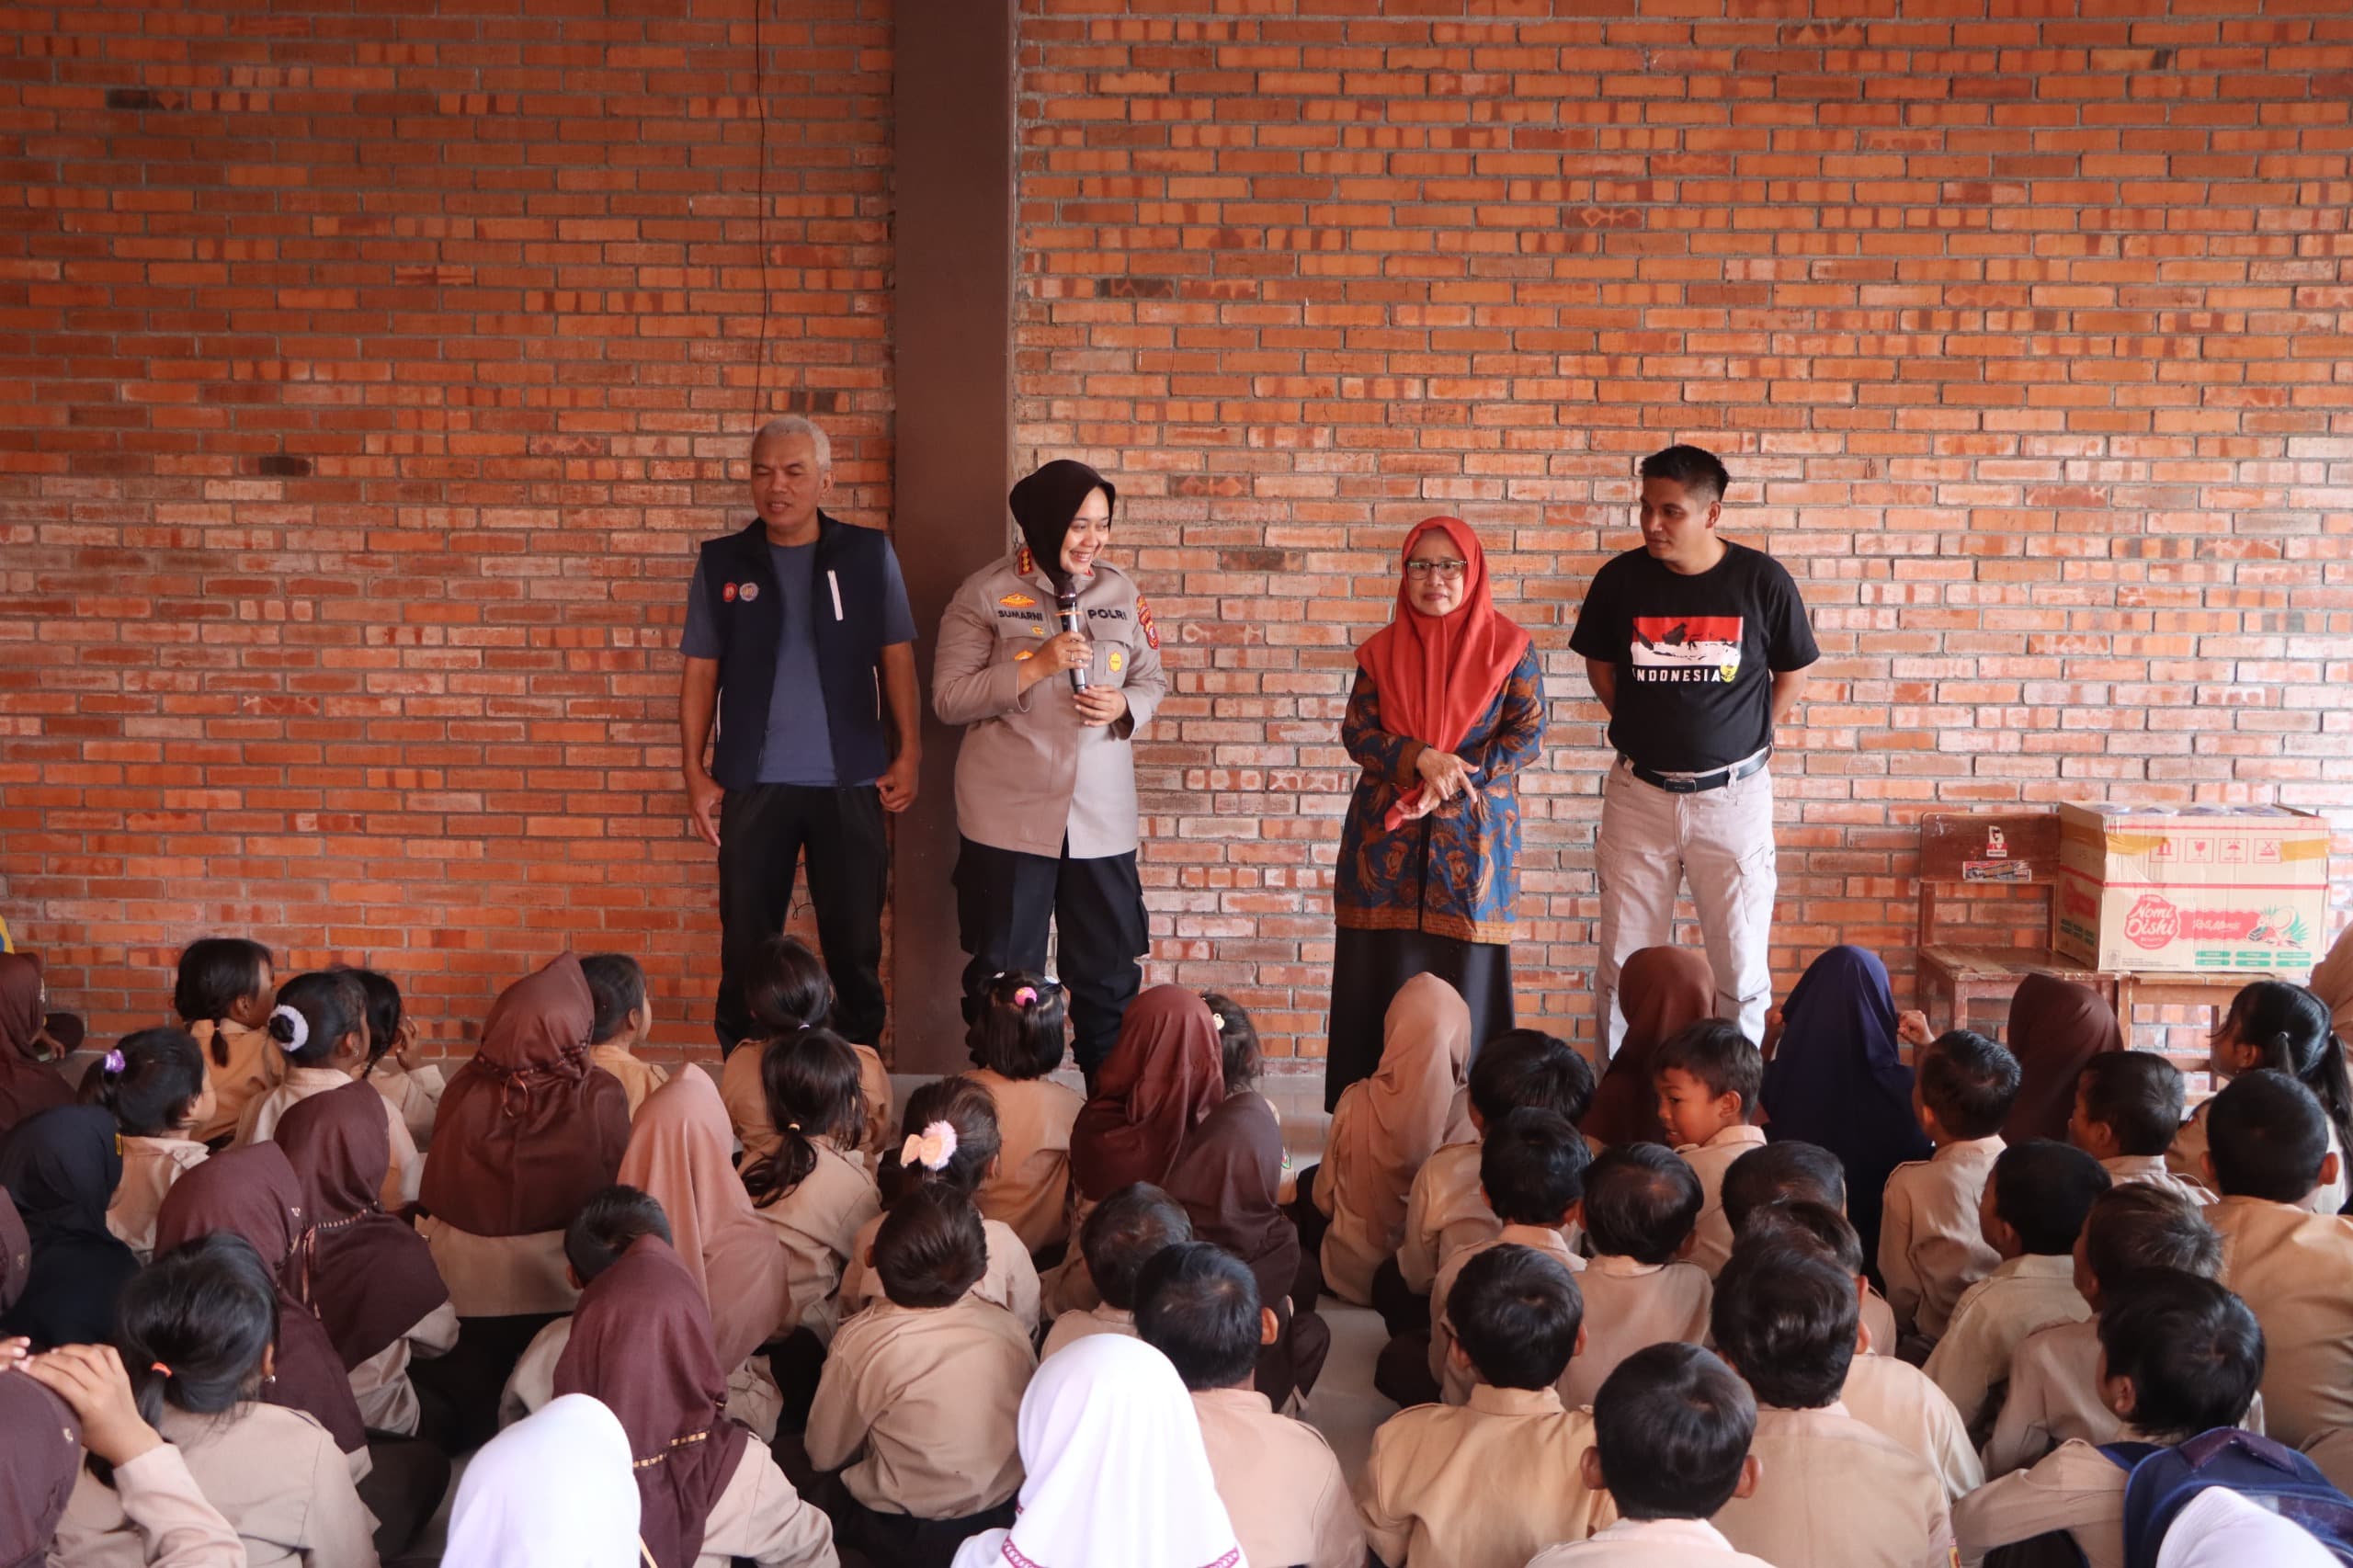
<point x="2128" y="1111"/>
<point x="2054" y="1373"/>
<point x="2285" y="1027"/>
<point x="814" y="1187"/>
<point x="787" y="991"/>
<point x="2269" y="1148"/>
<point x="1122" y="1233"/>
<point x="951" y="1139"/>
<point x="1489" y="1483"/>
<point x="195" y="1330"/>
<point x="155" y="1084"/>
<point x="2179" y="1356"/>
<point x="2032" y="1211"/>
<point x="1931" y="1244"/>
<point x="1671" y="1429"/>
<point x="1788" y="1169"/>
<point x="922" y="1391"/>
<point x="1531" y="1170"/>
<point x="1017" y="1038"/>
<point x="1832" y="1492"/>
<point x="624" y="1019"/>
<point x="224" y="993"/>
<point x="611" y="1218"/>
<point x="1707" y="1077"/>
<point x="1198" y="1305"/>
<point x="321" y="1025"/>
<point x="1641" y="1202"/>
<point x="397" y="1068"/>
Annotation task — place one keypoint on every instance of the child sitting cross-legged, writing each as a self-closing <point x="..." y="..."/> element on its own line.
<point x="1791" y="1170"/>
<point x="1641" y="1202"/>
<point x="1932" y="1245"/>
<point x="1122" y="1233"/>
<point x="1708" y="1078"/>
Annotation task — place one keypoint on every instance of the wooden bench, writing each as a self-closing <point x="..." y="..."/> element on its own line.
<point x="1979" y="849"/>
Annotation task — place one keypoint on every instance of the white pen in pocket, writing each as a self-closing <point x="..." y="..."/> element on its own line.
<point x="834" y="583"/>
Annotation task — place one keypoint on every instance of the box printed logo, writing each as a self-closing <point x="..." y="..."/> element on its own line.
<point x="1686" y="648"/>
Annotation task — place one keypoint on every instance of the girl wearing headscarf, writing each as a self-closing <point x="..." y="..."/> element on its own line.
<point x="1384" y="1128"/>
<point x="1045" y="778"/>
<point x="1834" y="1078"/>
<point x="29" y="1085"/>
<point x="2056" y="1026"/>
<point x="1164" y="1075"/>
<point x="640" y="1344"/>
<point x="60" y="1167"/>
<point x="1115" y="1470"/>
<point x="1448" y="708"/>
<point x="553" y="1491"/>
<point x="369" y="1275"/>
<point x="1661" y="990"/>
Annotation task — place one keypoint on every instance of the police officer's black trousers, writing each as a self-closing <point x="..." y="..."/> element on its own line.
<point x="1004" y="900"/>
<point x="762" y="831"/>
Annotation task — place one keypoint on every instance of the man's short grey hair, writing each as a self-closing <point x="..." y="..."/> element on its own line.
<point x="794" y="425"/>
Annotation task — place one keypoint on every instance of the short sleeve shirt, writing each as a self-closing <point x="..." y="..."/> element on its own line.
<point x="1696" y="654"/>
<point x="798" y="748"/>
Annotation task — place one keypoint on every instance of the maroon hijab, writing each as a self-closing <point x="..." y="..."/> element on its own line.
<point x="1660" y="989"/>
<point x="40" y="1454"/>
<point x="2056" y="1026"/>
<point x="15" y="1252"/>
<point x="640" y="1343"/>
<point x="253" y="1193"/>
<point x="527" y="1129"/>
<point x="1165" y="1074"/>
<point x="1227" y="1176"/>
<point x="369" y="1275"/>
<point x="27" y="1085"/>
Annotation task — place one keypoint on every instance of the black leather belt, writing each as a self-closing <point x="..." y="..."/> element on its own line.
<point x="1696" y="783"/>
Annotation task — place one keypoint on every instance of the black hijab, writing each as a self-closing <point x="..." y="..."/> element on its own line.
<point x="62" y="1166"/>
<point x="1044" y="505"/>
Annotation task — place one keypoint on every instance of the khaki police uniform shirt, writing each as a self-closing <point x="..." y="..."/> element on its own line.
<point x="2022" y="1294"/>
<point x="1834" y="1494"/>
<point x="1629" y="1306"/>
<point x="1898" y="1401"/>
<point x="2295" y="1270"/>
<point x="1650" y="1543"/>
<point x="1712" y="1238"/>
<point x="1930" y="1245"/>
<point x="1456" y="1380"/>
<point x="1280" y="1482"/>
<point x="1446" y="1210"/>
<point x="1486" y="1485"/>
<point x="1029" y="773"/>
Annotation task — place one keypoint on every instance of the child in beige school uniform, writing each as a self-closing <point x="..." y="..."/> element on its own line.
<point x="1793" y="1171"/>
<point x="1017" y="1038"/>
<point x="1122" y="1233"/>
<point x="2128" y="1112"/>
<point x="788" y="990"/>
<point x="320" y="1027"/>
<point x="1640" y="1202"/>
<point x="224" y="993"/>
<point x="2272" y="1024"/>
<point x="396" y="1068"/>
<point x="155" y="1085"/>
<point x="1707" y="1077"/>
<point x="624" y="1019"/>
<point x="1931" y="1243"/>
<point x="814" y="1187"/>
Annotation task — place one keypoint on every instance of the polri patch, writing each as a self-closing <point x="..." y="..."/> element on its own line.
<point x="1143" y="618"/>
<point x="1018" y="601"/>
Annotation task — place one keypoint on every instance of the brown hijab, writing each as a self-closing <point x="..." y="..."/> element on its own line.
<point x="1660" y="989"/>
<point x="640" y="1343"/>
<point x="1227" y="1177"/>
<point x="1165" y="1072"/>
<point x="527" y="1129"/>
<point x="28" y="1084"/>
<point x="253" y="1192"/>
<point x="369" y="1277"/>
<point x="2056" y="1026"/>
<point x="678" y="1153"/>
<point x="40" y="1455"/>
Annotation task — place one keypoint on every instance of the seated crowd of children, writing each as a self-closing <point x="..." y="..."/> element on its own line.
<point x="267" y="1276"/>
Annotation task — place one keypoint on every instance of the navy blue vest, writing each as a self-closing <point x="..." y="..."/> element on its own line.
<point x="848" y="606"/>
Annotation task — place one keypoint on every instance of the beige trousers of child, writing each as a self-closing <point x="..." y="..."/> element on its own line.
<point x="1652" y="841"/>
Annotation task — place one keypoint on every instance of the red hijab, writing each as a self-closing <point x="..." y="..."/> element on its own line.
<point x="1165" y="1072"/>
<point x="2056" y="1026"/>
<point x="1436" y="674"/>
<point x="527" y="1129"/>
<point x="27" y="1085"/>
<point x="369" y="1275"/>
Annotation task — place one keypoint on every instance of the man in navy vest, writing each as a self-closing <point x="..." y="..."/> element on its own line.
<point x="798" y="640"/>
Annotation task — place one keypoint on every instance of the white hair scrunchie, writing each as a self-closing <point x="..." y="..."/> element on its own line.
<point x="932" y="1148"/>
<point x="300" y="1025"/>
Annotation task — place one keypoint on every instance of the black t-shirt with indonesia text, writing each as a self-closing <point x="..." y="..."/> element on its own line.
<point x="1696" y="654"/>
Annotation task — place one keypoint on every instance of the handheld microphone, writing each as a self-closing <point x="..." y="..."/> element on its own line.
<point x="1066" y="609"/>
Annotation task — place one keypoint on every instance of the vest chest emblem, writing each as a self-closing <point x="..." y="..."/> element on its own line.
<point x="751" y="592"/>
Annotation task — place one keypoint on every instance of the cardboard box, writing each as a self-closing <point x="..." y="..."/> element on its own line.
<point x="2195" y="889"/>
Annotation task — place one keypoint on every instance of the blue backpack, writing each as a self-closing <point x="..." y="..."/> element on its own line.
<point x="2273" y="1477"/>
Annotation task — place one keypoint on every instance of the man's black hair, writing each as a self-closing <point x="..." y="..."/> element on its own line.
<point x="1702" y="473"/>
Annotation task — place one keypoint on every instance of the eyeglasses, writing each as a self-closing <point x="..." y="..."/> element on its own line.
<point x="1445" y="571"/>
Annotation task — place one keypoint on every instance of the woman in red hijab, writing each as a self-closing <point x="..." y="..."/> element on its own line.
<point x="1448" y="705"/>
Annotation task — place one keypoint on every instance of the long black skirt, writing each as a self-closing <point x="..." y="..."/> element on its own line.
<point x="1368" y="970"/>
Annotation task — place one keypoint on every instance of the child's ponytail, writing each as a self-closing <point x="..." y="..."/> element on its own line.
<point x="810" y="1079"/>
<point x="1017" y="1025"/>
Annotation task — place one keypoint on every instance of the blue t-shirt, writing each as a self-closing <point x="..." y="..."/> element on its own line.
<point x="798" y="748"/>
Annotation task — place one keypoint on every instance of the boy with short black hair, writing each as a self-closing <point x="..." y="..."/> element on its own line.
<point x="610" y="1219"/>
<point x="1489" y="1483"/>
<point x="1531" y="1170"/>
<point x="1931" y="1242"/>
<point x="2179" y="1356"/>
<point x="1121" y="1234"/>
<point x="624" y="1017"/>
<point x="1707" y="1077"/>
<point x="2031" y="1212"/>
<point x="2128" y="1108"/>
<point x="1792" y="1169"/>
<point x="1834" y="1493"/>
<point x="1641" y="1202"/>
<point x="1671" y="1431"/>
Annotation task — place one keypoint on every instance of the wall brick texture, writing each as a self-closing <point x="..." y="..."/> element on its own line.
<point x="366" y="373"/>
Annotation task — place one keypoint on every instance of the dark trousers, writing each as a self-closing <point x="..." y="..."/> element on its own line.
<point x="404" y="1486"/>
<point x="1004" y="900"/>
<point x="762" y="831"/>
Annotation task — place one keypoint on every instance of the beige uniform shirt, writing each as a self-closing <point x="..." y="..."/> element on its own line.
<point x="1900" y="1402"/>
<point x="1631" y="1306"/>
<point x="1454" y="1380"/>
<point x="1486" y="1485"/>
<point x="1011" y="1280"/>
<point x="416" y="1095"/>
<point x="637" y="1079"/>
<point x="2150" y="1170"/>
<point x="492" y="1277"/>
<point x="256" y="1065"/>
<point x="1072" y="1326"/>
<point x="161" y="1503"/>
<point x="1445" y="1212"/>
<point x="381" y="1385"/>
<point x="262" y="1114"/>
<point x="1031" y="1191"/>
<point x="150" y="1166"/>
<point x="817" y="1224"/>
<point x="1029" y="775"/>
<point x="2053" y="1397"/>
<point x="1992" y="1317"/>
<point x="1650" y="1543"/>
<point x="1930" y="1245"/>
<point x="2295" y="1270"/>
<point x="747" y="1099"/>
<point x="1878" y="1319"/>
<point x="758" y="1516"/>
<point x="2187" y="1159"/>
<point x="924" y="1400"/>
<point x="1834" y="1494"/>
<point x="1280" y="1482"/>
<point x="2075" y="1488"/>
<point x="1712" y="1238"/>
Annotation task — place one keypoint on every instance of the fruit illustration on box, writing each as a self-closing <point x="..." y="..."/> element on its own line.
<point x="2277" y="929"/>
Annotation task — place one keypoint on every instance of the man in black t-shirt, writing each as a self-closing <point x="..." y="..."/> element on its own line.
<point x="1698" y="647"/>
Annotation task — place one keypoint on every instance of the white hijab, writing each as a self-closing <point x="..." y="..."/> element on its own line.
<point x="1117" y="1473"/>
<point x="555" y="1490"/>
<point x="2219" y="1528"/>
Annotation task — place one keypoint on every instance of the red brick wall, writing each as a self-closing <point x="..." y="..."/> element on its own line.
<point x="365" y="374"/>
<point x="2023" y="328"/>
